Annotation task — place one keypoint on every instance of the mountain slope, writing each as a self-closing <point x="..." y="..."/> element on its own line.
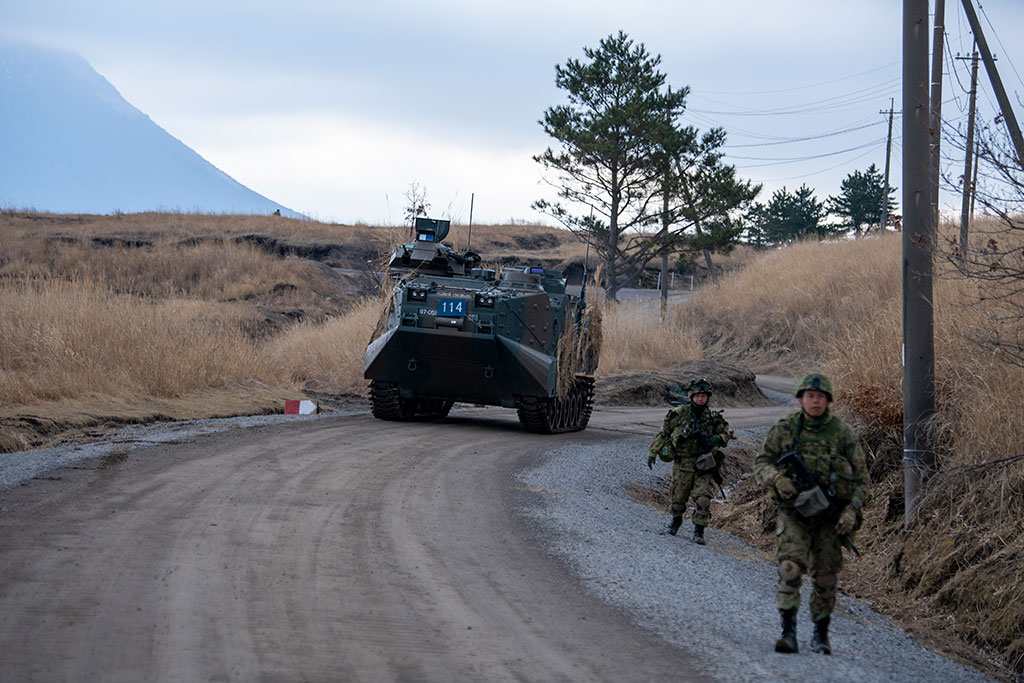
<point x="72" y="144"/>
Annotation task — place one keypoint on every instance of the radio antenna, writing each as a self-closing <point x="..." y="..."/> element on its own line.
<point x="469" y="237"/>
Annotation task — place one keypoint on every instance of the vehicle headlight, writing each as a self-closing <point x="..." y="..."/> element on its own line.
<point x="484" y="300"/>
<point x="417" y="295"/>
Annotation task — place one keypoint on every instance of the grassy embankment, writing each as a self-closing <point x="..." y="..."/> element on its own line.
<point x="837" y="307"/>
<point x="112" y="319"/>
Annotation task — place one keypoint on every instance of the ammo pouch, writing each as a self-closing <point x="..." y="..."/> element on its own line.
<point x="811" y="502"/>
<point x="705" y="462"/>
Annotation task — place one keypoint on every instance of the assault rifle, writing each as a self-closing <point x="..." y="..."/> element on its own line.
<point x="693" y="431"/>
<point x="806" y="483"/>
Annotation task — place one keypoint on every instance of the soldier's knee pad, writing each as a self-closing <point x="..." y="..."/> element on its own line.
<point x="789" y="570"/>
<point x="703" y="503"/>
<point x="789" y="576"/>
<point x="825" y="585"/>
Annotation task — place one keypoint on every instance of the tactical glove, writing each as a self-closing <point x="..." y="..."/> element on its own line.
<point x="650" y="462"/>
<point x="847" y="520"/>
<point x="784" y="487"/>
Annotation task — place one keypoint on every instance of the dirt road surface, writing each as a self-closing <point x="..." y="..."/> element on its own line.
<point x="337" y="549"/>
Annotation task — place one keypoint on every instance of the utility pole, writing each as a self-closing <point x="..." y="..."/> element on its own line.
<point x="918" y="240"/>
<point x="885" y="186"/>
<point x="938" y="33"/>
<point x="974" y="182"/>
<point x="965" y="205"/>
<point x="666" y="184"/>
<point x="663" y="276"/>
<point x="997" y="83"/>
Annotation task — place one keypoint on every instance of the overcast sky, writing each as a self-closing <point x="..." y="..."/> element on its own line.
<point x="333" y="108"/>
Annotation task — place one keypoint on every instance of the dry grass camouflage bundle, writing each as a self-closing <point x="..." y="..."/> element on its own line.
<point x="580" y="349"/>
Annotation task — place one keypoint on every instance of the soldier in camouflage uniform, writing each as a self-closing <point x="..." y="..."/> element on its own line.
<point x="691" y="438"/>
<point x="811" y="536"/>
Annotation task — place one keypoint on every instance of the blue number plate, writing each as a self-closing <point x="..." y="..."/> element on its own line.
<point x="451" y="308"/>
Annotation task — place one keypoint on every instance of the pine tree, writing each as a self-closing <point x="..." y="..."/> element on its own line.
<point x="859" y="203"/>
<point x="788" y="217"/>
<point x="619" y="116"/>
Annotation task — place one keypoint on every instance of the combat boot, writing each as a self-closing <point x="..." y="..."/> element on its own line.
<point x="673" y="526"/>
<point x="819" y="641"/>
<point x="787" y="641"/>
<point x="698" y="534"/>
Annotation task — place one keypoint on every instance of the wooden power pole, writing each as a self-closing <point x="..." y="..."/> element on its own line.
<point x="965" y="206"/>
<point x="935" y="130"/>
<point x="918" y="241"/>
<point x="974" y="182"/>
<point x="885" y="187"/>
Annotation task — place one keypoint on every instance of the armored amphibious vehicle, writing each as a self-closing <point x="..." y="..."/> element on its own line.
<point x="454" y="331"/>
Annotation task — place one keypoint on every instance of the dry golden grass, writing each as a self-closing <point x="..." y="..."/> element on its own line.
<point x="175" y="227"/>
<point x="217" y="271"/>
<point x="634" y="338"/>
<point x="775" y="313"/>
<point x="325" y="357"/>
<point x="726" y="265"/>
<point x="63" y="339"/>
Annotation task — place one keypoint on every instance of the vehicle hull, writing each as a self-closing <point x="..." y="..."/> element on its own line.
<point x="488" y="369"/>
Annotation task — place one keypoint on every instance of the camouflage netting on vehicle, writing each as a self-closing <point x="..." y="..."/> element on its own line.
<point x="579" y="353"/>
<point x="387" y="295"/>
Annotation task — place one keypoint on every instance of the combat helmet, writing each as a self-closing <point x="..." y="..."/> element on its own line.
<point x="699" y="386"/>
<point x="816" y="381"/>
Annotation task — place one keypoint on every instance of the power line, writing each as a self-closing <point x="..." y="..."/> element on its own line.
<point x="801" y="87"/>
<point x="951" y="64"/>
<point x="852" y="100"/>
<point x="780" y="160"/>
<point x="804" y="139"/>
<point x="867" y="89"/>
<point x="826" y="104"/>
<point x="824" y="170"/>
<point x="733" y="130"/>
